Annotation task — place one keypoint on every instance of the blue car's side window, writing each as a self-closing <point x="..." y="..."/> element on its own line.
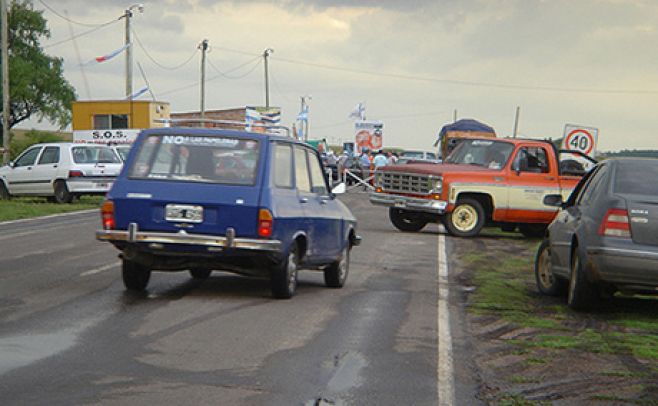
<point x="302" y="180"/>
<point x="282" y="162"/>
<point x="318" y="184"/>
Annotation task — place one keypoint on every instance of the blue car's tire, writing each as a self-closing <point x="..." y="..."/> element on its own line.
<point x="335" y="275"/>
<point x="135" y="276"/>
<point x="283" y="277"/>
<point x="200" y="273"/>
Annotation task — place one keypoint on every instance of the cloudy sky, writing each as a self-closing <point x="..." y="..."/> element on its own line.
<point x="413" y="63"/>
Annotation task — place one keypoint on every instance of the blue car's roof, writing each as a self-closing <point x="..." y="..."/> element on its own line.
<point x="216" y="131"/>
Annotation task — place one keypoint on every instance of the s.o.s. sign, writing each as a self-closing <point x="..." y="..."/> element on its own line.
<point x="580" y="138"/>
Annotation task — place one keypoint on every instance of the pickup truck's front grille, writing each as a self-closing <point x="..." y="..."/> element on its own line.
<point x="405" y="182"/>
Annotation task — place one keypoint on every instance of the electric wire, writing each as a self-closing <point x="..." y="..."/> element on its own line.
<point x="148" y="55"/>
<point x="225" y="74"/>
<point x="80" y="34"/>
<point x="66" y="17"/>
<point x="457" y="82"/>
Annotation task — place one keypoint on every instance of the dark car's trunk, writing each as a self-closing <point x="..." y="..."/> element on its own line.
<point x="643" y="217"/>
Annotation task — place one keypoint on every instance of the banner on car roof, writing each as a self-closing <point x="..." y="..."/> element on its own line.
<point x="368" y="135"/>
<point x="258" y="118"/>
<point x="114" y="137"/>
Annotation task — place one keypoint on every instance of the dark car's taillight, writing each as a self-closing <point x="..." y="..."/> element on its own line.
<point x="615" y="224"/>
<point x="107" y="215"/>
<point x="265" y="223"/>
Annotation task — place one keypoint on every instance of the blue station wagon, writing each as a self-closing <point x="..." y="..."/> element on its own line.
<point x="212" y="199"/>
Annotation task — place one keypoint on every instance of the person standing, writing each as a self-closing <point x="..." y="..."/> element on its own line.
<point x="380" y="160"/>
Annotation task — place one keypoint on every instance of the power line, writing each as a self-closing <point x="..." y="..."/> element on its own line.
<point x="456" y="81"/>
<point x="80" y="34"/>
<point x="158" y="63"/>
<point x="225" y="74"/>
<point x="52" y="10"/>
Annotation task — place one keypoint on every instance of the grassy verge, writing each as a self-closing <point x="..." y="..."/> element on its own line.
<point x="27" y="207"/>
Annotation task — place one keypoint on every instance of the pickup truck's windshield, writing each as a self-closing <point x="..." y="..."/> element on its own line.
<point x="208" y="159"/>
<point x="485" y="153"/>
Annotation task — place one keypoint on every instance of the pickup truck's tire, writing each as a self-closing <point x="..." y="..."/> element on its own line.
<point x="532" y="230"/>
<point x="406" y="221"/>
<point x="335" y="274"/>
<point x="283" y="278"/>
<point x="547" y="282"/>
<point x="4" y="192"/>
<point x="200" y="273"/>
<point x="466" y="219"/>
<point x="135" y="276"/>
<point x="583" y="295"/>
<point x="62" y="194"/>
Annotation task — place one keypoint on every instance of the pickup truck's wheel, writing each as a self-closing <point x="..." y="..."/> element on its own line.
<point x="200" y="273"/>
<point x="547" y="282"/>
<point x="135" y="276"/>
<point x="583" y="295"/>
<point x="335" y="274"/>
<point x="62" y="194"/>
<point x="532" y="230"/>
<point x="406" y="221"/>
<point x="4" y="192"/>
<point x="283" y="278"/>
<point x="466" y="219"/>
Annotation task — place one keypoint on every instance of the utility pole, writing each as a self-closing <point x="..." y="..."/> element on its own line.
<point x="516" y="120"/>
<point x="454" y="116"/>
<point x="204" y="47"/>
<point x="266" y="54"/>
<point x="128" y="14"/>
<point x="5" y="83"/>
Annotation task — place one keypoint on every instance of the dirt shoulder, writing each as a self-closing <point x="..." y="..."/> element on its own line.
<point x="531" y="349"/>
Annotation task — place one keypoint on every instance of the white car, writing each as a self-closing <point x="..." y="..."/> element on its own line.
<point x="60" y="171"/>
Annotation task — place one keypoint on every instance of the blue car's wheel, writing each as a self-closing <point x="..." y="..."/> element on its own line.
<point x="335" y="274"/>
<point x="135" y="276"/>
<point x="283" y="278"/>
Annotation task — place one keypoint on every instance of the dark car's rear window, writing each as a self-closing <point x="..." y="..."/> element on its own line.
<point x="638" y="178"/>
<point x="209" y="159"/>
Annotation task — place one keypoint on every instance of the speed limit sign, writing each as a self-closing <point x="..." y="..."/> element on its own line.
<point x="579" y="138"/>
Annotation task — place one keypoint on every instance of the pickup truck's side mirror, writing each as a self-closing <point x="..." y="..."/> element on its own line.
<point x="553" y="200"/>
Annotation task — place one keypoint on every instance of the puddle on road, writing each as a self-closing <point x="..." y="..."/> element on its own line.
<point x="345" y="377"/>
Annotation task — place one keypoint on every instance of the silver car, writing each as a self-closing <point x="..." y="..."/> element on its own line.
<point x="605" y="237"/>
<point x="60" y="171"/>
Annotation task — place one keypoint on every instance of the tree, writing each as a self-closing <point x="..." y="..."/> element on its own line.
<point x="37" y="86"/>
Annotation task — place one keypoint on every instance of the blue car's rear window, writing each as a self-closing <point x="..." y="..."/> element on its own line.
<point x="197" y="158"/>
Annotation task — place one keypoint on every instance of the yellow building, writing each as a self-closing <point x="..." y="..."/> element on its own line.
<point x="118" y="114"/>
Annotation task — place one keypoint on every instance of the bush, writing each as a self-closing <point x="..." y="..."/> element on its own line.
<point x="31" y="137"/>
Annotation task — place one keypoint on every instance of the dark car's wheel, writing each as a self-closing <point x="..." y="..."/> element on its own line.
<point x="62" y="194"/>
<point x="283" y="278"/>
<point x="200" y="273"/>
<point x="135" y="276"/>
<point x="335" y="274"/>
<point x="406" y="221"/>
<point x="532" y="230"/>
<point x="547" y="282"/>
<point x="466" y="219"/>
<point x="583" y="295"/>
<point x="4" y="192"/>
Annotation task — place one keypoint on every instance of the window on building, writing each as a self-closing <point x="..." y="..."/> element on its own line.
<point x="110" y="121"/>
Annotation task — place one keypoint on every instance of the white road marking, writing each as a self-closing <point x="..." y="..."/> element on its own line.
<point x="101" y="269"/>
<point x="446" y="391"/>
<point x="70" y="213"/>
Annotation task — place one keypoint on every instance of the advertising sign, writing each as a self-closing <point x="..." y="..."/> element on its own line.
<point x="368" y="135"/>
<point x="123" y="136"/>
<point x="580" y="138"/>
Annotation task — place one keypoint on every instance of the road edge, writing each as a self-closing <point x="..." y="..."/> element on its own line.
<point x="445" y="369"/>
<point x="49" y="216"/>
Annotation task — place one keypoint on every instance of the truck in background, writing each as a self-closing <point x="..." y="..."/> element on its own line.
<point x="452" y="134"/>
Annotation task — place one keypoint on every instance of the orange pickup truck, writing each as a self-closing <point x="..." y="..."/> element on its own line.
<point x="482" y="182"/>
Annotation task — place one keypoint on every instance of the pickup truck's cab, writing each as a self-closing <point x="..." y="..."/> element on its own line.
<point x="483" y="181"/>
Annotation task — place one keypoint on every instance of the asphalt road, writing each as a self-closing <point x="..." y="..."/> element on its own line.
<point x="70" y="334"/>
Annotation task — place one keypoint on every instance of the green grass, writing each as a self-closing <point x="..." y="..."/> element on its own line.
<point x="28" y="207"/>
<point x="503" y="290"/>
<point x="510" y="399"/>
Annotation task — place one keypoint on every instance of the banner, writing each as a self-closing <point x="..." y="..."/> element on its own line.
<point x="124" y="136"/>
<point x="368" y="135"/>
<point x="262" y="116"/>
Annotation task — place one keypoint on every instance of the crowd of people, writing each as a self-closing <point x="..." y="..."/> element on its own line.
<point x="362" y="165"/>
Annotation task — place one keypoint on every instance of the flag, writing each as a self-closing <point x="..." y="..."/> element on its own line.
<point x="138" y="93"/>
<point x="111" y="55"/>
<point x="303" y="115"/>
<point x="358" y="112"/>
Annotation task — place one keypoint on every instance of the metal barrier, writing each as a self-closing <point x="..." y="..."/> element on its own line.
<point x="360" y="181"/>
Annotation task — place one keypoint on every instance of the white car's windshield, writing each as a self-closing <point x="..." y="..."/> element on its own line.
<point x="486" y="153"/>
